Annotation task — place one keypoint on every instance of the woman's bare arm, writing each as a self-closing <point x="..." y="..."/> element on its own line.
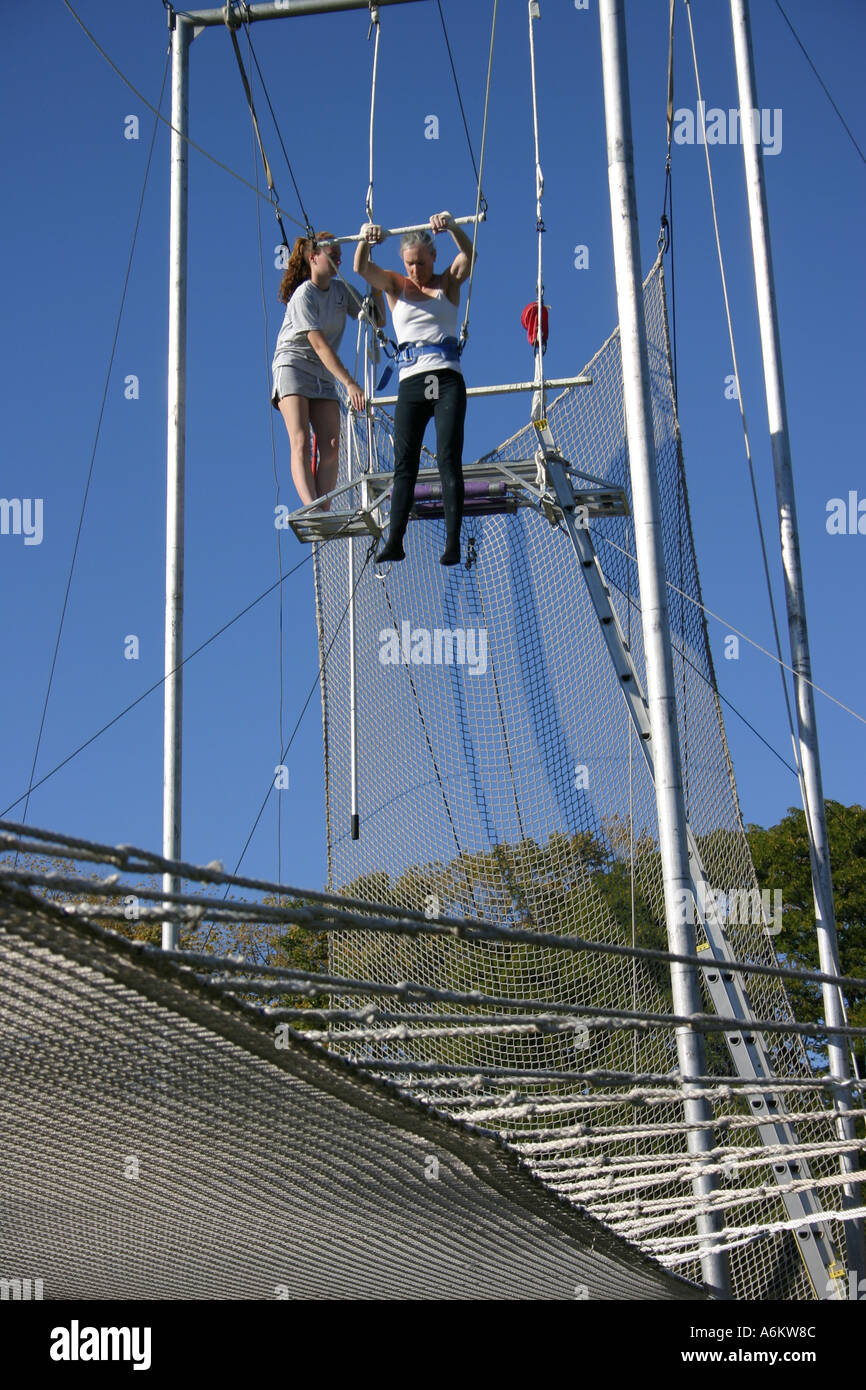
<point x="387" y="280"/>
<point x="330" y="360"/>
<point x="459" y="269"/>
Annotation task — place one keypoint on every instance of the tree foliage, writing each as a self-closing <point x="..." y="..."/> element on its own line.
<point x="567" y="886"/>
<point x="781" y="858"/>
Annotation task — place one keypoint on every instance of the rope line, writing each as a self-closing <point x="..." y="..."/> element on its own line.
<point x="672" y="1210"/>
<point x="621" y="1194"/>
<point x="746" y="638"/>
<point x="459" y="96"/>
<point x="795" y="743"/>
<point x="584" y="1136"/>
<point x="718" y="1160"/>
<point x="822" y="82"/>
<point x="157" y="685"/>
<point x="612" y="1021"/>
<point x="667" y="223"/>
<point x="696" y="1088"/>
<point x="374" y="24"/>
<point x="480" y="200"/>
<point x="166" y="122"/>
<point x="305" y="705"/>
<point x="337" y="920"/>
<point x="662" y="1243"/>
<point x="277" y="529"/>
<point x="683" y="655"/>
<point x="255" y="120"/>
<point x="431" y="751"/>
<point x="31" y="785"/>
<point x="309" y="227"/>
<point x="746" y="439"/>
<point x="354" y="913"/>
<point x="539" y="408"/>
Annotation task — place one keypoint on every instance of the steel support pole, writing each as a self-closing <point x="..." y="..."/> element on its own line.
<point x="810" y="780"/>
<point x="353" y="697"/>
<point x="670" y="801"/>
<point x="173" y="708"/>
<point x="353" y="654"/>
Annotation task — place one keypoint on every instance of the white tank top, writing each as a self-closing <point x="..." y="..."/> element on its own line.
<point x="426" y="320"/>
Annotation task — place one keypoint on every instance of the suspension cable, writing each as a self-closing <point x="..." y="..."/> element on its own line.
<point x="459" y="98"/>
<point x="279" y="133"/>
<point x="666" y="235"/>
<point x="739" y="632"/>
<point x="317" y="678"/>
<point x="226" y="168"/>
<point x="666" y="243"/>
<point x="746" y="439"/>
<point x="31" y="785"/>
<point x="824" y="86"/>
<point x="374" y="25"/>
<point x="480" y="201"/>
<point x="157" y="685"/>
<point x="274" y="197"/>
<point x="534" y="14"/>
<point x="278" y="530"/>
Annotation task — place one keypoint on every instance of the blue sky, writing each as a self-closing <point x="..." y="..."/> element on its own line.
<point x="73" y="182"/>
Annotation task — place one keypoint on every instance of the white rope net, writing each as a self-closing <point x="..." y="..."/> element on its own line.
<point x="190" y="1051"/>
<point x="512" y="789"/>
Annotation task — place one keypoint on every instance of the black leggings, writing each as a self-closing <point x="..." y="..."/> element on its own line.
<point x="441" y="394"/>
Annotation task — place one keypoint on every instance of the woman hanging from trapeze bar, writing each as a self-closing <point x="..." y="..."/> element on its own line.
<point x="424" y="309"/>
<point x="306" y="367"/>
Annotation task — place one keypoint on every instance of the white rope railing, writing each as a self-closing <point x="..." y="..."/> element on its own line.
<point x="343" y="913"/>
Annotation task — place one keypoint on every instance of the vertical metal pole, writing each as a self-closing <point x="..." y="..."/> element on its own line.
<point x="811" y="784"/>
<point x="646" y="506"/>
<point x="353" y="650"/>
<point x="539" y="399"/>
<point x="353" y="692"/>
<point x="173" y="709"/>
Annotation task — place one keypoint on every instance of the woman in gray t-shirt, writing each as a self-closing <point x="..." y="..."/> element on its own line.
<point x="306" y="366"/>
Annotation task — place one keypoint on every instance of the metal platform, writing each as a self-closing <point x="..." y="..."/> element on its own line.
<point x="493" y="487"/>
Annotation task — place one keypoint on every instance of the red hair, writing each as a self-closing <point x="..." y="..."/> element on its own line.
<point x="298" y="268"/>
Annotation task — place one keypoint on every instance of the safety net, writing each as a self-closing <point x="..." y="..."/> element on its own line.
<point x="499" y="777"/>
<point x="162" y="1140"/>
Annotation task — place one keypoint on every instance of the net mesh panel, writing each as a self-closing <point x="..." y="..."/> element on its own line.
<point x="506" y="783"/>
<point x="262" y="1172"/>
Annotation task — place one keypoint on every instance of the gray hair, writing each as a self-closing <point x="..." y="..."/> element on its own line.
<point x="417" y="239"/>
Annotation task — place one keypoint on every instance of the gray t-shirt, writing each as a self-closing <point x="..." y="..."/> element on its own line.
<point x="309" y="308"/>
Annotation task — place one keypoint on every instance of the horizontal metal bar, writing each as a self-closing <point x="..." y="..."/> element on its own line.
<point x="279" y="9"/>
<point x="506" y="390"/>
<point x="416" y="227"/>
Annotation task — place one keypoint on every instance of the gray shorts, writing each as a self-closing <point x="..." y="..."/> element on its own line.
<point x="294" y="381"/>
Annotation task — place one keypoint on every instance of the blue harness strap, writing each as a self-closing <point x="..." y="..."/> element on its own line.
<point x="407" y="353"/>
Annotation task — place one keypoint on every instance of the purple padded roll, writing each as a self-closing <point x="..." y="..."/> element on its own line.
<point x="475" y="487"/>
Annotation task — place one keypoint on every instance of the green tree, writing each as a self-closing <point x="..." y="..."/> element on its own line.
<point x="572" y="885"/>
<point x="116" y="913"/>
<point x="781" y="858"/>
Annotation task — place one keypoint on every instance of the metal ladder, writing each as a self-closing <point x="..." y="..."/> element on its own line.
<point x="726" y="989"/>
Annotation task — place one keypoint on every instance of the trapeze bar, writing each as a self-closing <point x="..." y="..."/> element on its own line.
<point x="277" y="9"/>
<point x="416" y="227"/>
<point x="556" y="383"/>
